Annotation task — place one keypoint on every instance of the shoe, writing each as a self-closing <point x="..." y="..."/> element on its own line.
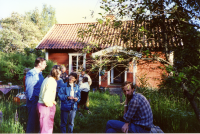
<point x="89" y="112"/>
<point x="86" y="108"/>
<point x="80" y="114"/>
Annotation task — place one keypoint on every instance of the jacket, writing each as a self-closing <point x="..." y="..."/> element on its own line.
<point x="33" y="83"/>
<point x="64" y="92"/>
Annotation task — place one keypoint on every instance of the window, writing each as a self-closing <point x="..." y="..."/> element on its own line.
<point x="76" y="62"/>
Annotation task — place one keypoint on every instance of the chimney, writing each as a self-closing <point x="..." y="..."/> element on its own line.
<point x="111" y="17"/>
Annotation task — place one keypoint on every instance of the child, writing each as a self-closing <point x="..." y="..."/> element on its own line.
<point x="85" y="88"/>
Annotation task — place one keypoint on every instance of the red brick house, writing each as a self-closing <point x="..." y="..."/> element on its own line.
<point x="62" y="45"/>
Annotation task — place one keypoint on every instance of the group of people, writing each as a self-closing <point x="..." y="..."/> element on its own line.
<point x="42" y="95"/>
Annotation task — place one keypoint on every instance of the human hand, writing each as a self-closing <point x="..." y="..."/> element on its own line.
<point x="75" y="99"/>
<point x="70" y="97"/>
<point x="125" y="128"/>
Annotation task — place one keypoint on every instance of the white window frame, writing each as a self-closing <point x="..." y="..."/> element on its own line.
<point x="70" y="60"/>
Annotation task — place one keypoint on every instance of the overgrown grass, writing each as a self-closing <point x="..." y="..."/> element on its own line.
<point x="171" y="114"/>
<point x="10" y="123"/>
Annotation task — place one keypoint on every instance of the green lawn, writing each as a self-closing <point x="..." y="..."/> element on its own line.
<point x="171" y="114"/>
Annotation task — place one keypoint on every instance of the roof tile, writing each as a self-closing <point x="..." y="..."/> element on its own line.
<point x="65" y="36"/>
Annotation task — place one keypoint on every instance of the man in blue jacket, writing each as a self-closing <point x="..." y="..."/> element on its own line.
<point x="69" y="96"/>
<point x="33" y="82"/>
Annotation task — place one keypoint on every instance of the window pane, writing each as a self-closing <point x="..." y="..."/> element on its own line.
<point x="74" y="58"/>
<point x="80" y="62"/>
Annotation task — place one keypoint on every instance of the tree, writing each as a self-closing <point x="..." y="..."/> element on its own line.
<point x="44" y="20"/>
<point x="18" y="33"/>
<point x="177" y="22"/>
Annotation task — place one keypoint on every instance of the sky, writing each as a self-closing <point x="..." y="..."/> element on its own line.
<point x="67" y="11"/>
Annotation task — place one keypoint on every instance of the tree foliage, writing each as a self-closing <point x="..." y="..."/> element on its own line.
<point x="21" y="31"/>
<point x="171" y="25"/>
<point x="44" y="20"/>
<point x="18" y="33"/>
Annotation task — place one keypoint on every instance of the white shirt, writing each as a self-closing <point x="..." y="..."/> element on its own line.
<point x="85" y="87"/>
<point x="72" y="89"/>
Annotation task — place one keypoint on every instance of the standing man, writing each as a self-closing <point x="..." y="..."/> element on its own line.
<point x="34" y="79"/>
<point x="138" y="117"/>
<point x="63" y="75"/>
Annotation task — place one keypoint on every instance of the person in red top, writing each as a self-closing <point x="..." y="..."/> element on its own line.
<point x="25" y="71"/>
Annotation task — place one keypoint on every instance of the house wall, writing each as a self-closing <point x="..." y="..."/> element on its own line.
<point x="104" y="82"/>
<point x="150" y="72"/>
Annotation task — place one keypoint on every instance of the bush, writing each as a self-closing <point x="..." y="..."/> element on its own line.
<point x="12" y="66"/>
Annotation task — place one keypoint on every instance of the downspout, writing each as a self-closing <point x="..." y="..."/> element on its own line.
<point x="47" y="55"/>
<point x="134" y="70"/>
<point x="100" y="71"/>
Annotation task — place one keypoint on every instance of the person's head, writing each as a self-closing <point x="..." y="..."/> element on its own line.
<point x="26" y="70"/>
<point x="63" y="69"/>
<point x="40" y="63"/>
<point x="128" y="89"/>
<point x="85" y="79"/>
<point x="83" y="71"/>
<point x="72" y="77"/>
<point x="55" y="72"/>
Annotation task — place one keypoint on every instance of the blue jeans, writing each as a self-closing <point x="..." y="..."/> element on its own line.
<point x="64" y="116"/>
<point x="114" y="126"/>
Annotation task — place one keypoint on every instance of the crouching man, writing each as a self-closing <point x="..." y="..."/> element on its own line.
<point x="138" y="117"/>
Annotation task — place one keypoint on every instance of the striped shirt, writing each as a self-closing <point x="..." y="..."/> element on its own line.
<point x="139" y="111"/>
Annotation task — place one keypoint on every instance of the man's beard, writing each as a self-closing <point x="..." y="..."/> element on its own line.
<point x="129" y="97"/>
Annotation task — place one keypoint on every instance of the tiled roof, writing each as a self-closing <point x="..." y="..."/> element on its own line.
<point x="65" y="36"/>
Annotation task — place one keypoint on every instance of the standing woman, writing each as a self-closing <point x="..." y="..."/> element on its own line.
<point x="46" y="104"/>
<point x="69" y="96"/>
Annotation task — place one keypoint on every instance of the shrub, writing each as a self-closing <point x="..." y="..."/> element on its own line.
<point x="12" y="66"/>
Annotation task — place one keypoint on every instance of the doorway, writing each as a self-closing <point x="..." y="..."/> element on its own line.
<point x="118" y="74"/>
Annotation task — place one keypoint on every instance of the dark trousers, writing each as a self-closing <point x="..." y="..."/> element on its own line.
<point x="84" y="96"/>
<point x="33" y="124"/>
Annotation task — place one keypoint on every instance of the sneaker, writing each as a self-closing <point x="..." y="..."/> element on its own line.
<point x="89" y="112"/>
<point x="80" y="114"/>
<point x="86" y="108"/>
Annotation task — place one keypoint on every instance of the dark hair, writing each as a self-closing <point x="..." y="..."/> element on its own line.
<point x="73" y="74"/>
<point x="55" y="71"/>
<point x="26" y="70"/>
<point x="85" y="79"/>
<point x="126" y="83"/>
<point x="39" y="60"/>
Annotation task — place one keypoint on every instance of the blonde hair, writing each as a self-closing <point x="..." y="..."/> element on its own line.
<point x="62" y="66"/>
<point x="26" y="70"/>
